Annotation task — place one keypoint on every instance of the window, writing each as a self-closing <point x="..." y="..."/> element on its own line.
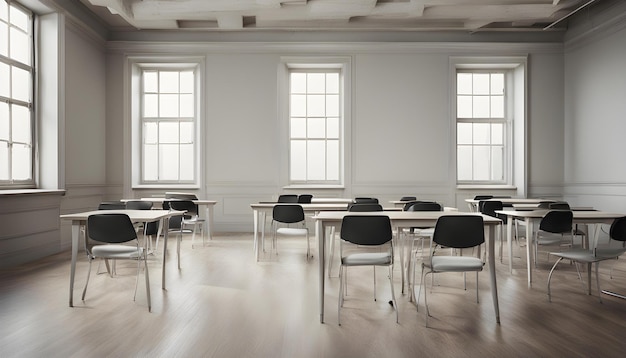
<point x="16" y="96"/>
<point x="481" y="126"/>
<point x="315" y="125"/>
<point x="168" y="123"/>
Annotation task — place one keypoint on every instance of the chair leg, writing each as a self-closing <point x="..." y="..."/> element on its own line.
<point x="145" y="261"/>
<point x="341" y="290"/>
<point x="374" y="267"/>
<point x="477" y="301"/>
<point x="598" y="282"/>
<point x="331" y="256"/>
<point x="550" y="278"/>
<point x="179" y="239"/>
<point x="393" y="294"/>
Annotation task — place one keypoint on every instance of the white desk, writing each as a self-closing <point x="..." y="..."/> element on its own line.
<point x="530" y="216"/>
<point x="208" y="206"/>
<point x="473" y="203"/>
<point x="399" y="221"/>
<point x="80" y="219"/>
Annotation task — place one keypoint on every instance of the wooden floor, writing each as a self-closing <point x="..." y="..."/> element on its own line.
<point x="224" y="304"/>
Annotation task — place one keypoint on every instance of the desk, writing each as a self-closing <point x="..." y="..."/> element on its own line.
<point x="399" y="220"/>
<point x="473" y="203"/>
<point x="346" y="201"/>
<point x="208" y="204"/>
<point x="80" y="219"/>
<point x="530" y="216"/>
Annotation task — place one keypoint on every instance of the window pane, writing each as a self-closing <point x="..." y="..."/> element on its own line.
<point x="168" y="162"/>
<point x="332" y="83"/>
<point x="481" y="133"/>
<point x="20" y="84"/>
<point x="168" y="132"/>
<point x="480" y="107"/>
<point x="497" y="83"/>
<point x="168" y="105"/>
<point x="298" y="82"/>
<point x="186" y="162"/>
<point x="464" y="107"/>
<point x="4" y="121"/>
<point x="316" y="106"/>
<point x="464" y="83"/>
<point x="481" y="163"/>
<point x="18" y="18"/>
<point x="297" y="105"/>
<point x="497" y="133"/>
<point x="332" y="105"/>
<point x="150" y="162"/>
<point x="316" y="128"/>
<point x="151" y="105"/>
<point x="4" y="11"/>
<point x="464" y="162"/>
<point x="21" y="124"/>
<point x="497" y="106"/>
<point x="187" y="82"/>
<point x="332" y="160"/>
<point x="316" y="83"/>
<point x="150" y="133"/>
<point x="4" y="163"/>
<point x="21" y="163"/>
<point x="168" y="82"/>
<point x="20" y="46"/>
<point x="316" y="160"/>
<point x="464" y="133"/>
<point x="150" y="82"/>
<point x="298" y="128"/>
<point x="332" y="128"/>
<point x="4" y="38"/>
<point x="186" y="132"/>
<point x="297" y="165"/>
<point x="186" y="105"/>
<point x="497" y="163"/>
<point x="480" y="83"/>
<point x="5" y="83"/>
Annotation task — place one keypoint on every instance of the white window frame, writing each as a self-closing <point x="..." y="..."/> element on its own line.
<point x="342" y="65"/>
<point x="13" y="183"/>
<point x="137" y="66"/>
<point x="515" y="69"/>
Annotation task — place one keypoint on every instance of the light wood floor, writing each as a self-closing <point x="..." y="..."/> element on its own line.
<point x="224" y="304"/>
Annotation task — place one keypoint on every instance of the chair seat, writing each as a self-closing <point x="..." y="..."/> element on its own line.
<point x="367" y="259"/>
<point x="456" y="263"/>
<point x="587" y="256"/>
<point x="116" y="251"/>
<point x="292" y="231"/>
<point x="425" y="232"/>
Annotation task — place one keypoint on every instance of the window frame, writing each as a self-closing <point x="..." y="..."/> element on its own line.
<point x="11" y="182"/>
<point x="137" y="66"/>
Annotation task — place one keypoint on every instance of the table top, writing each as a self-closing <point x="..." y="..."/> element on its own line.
<point x="577" y="214"/>
<point x="134" y="215"/>
<point x="511" y="200"/>
<point x="403" y="215"/>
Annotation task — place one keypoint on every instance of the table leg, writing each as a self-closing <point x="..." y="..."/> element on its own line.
<point x="255" y="220"/>
<point x="263" y="218"/>
<point x="209" y="221"/>
<point x="492" y="272"/>
<point x="320" y="233"/>
<point x="529" y="251"/>
<point x="401" y="253"/>
<point x="509" y="234"/>
<point x="166" y="226"/>
<point x="75" y="233"/>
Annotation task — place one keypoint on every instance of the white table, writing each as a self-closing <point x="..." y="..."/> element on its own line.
<point x="80" y="219"/>
<point x="399" y="221"/>
<point x="531" y="216"/>
<point x="473" y="203"/>
<point x="208" y="206"/>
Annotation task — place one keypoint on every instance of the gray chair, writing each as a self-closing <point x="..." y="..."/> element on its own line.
<point x="366" y="240"/>
<point x="106" y="234"/>
<point x="289" y="220"/>
<point x="594" y="255"/>
<point x="458" y="232"/>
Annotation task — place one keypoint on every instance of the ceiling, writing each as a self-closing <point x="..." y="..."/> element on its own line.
<point x="338" y="15"/>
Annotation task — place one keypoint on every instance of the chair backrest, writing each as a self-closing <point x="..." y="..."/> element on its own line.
<point x="544" y="204"/>
<point x="305" y="198"/>
<point x="489" y="207"/>
<point x="288" y="213"/>
<point x="365" y="207"/>
<point x="288" y="198"/>
<point x="408" y="198"/>
<point x="459" y="231"/>
<point x="557" y="221"/>
<point x="363" y="200"/>
<point x="138" y="205"/>
<point x="112" y="205"/>
<point x="366" y="229"/>
<point x="181" y="196"/>
<point x="559" y="205"/>
<point x="185" y="205"/>
<point x="618" y="229"/>
<point x="424" y="206"/>
<point x="110" y="228"/>
<point x="483" y="197"/>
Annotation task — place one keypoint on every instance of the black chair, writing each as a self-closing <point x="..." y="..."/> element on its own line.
<point x="106" y="234"/>
<point x="457" y="232"/>
<point x="408" y="198"/>
<point x="288" y="198"/>
<point x="364" y="200"/>
<point x="190" y="218"/>
<point x="294" y="224"/>
<point x="149" y="229"/>
<point x="364" y="207"/>
<point x="489" y="207"/>
<point x="305" y="198"/>
<point x="112" y="205"/>
<point x="483" y="197"/>
<point x="180" y="196"/>
<point x="595" y="254"/>
<point x="366" y="240"/>
<point x="552" y="228"/>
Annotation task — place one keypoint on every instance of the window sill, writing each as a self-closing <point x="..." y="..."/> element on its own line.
<point x="166" y="186"/>
<point x="32" y="192"/>
<point x="314" y="186"/>
<point x="486" y="186"/>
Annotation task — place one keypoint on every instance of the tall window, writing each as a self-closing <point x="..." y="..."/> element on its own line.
<point x="481" y="127"/>
<point x="16" y="96"/>
<point x="168" y="125"/>
<point x="315" y="118"/>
